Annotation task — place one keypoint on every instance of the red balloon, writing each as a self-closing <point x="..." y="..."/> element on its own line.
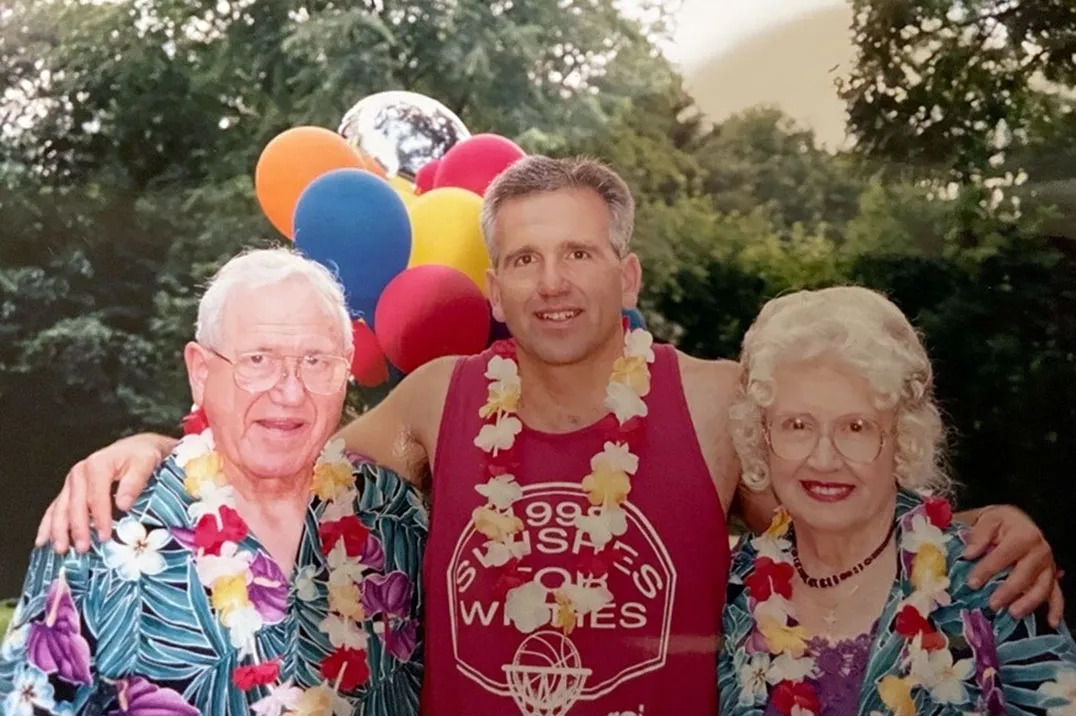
<point x="368" y="366"/>
<point x="430" y="311"/>
<point x="476" y="161"/>
<point x="426" y="177"/>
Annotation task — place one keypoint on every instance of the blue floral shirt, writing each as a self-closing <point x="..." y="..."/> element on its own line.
<point x="129" y="628"/>
<point x="975" y="660"/>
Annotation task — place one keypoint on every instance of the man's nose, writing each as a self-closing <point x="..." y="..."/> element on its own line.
<point x="289" y="389"/>
<point x="553" y="280"/>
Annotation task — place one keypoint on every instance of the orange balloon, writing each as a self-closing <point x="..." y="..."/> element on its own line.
<point x="370" y="164"/>
<point x="290" y="162"/>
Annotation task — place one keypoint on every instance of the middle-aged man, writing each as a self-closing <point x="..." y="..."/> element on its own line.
<point x="580" y="477"/>
<point x="258" y="572"/>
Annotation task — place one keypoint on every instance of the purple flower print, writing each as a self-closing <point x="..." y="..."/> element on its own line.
<point x="401" y="640"/>
<point x="373" y="554"/>
<point x="185" y="537"/>
<point x="55" y="644"/>
<point x="756" y="643"/>
<point x="138" y="697"/>
<point x="386" y="594"/>
<point x="269" y="590"/>
<point x="980" y="636"/>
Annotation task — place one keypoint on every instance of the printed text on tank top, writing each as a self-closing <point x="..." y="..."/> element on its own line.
<point x="606" y="485"/>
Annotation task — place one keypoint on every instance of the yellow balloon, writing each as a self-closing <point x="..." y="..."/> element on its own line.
<point x="404" y="188"/>
<point x="446" y="230"/>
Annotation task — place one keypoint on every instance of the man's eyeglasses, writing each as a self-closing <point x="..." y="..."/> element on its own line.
<point x="856" y="438"/>
<point x="258" y="371"/>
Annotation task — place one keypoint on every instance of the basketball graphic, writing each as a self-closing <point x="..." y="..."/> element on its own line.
<point x="546" y="675"/>
<point x="530" y="661"/>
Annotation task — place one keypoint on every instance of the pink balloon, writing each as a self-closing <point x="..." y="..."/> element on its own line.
<point x="476" y="161"/>
<point x="426" y="177"/>
<point x="430" y="311"/>
<point x="368" y="366"/>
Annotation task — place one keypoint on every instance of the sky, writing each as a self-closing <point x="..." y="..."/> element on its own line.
<point x="736" y="54"/>
<point x="708" y="28"/>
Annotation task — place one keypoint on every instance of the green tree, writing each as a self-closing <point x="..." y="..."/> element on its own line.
<point x="131" y="131"/>
<point x="761" y="157"/>
<point x="947" y="84"/>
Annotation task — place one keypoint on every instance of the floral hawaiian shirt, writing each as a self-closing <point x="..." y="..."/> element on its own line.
<point x="129" y="627"/>
<point x="964" y="658"/>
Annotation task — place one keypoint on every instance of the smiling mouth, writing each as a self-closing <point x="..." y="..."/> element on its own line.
<point x="827" y="491"/>
<point x="282" y="425"/>
<point x="559" y="316"/>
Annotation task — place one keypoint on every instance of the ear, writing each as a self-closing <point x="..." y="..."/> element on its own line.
<point x="197" y="370"/>
<point x="493" y="290"/>
<point x="631" y="280"/>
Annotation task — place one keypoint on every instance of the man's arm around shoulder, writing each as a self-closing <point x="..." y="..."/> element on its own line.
<point x="401" y="431"/>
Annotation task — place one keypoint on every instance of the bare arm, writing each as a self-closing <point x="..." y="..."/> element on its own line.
<point x="709" y="388"/>
<point x="969" y="517"/>
<point x="1003" y="537"/>
<point x="87" y="490"/>
<point x="400" y="433"/>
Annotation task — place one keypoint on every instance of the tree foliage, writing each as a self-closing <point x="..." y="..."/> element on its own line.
<point x="948" y="84"/>
<point x="131" y="129"/>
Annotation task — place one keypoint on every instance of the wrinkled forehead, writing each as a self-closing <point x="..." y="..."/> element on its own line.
<point x="290" y="315"/>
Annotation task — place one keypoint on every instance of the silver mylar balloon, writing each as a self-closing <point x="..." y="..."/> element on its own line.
<point x="402" y="130"/>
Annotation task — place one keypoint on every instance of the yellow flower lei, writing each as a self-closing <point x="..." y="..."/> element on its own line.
<point x="786" y="642"/>
<point x="228" y="574"/>
<point x="607" y="485"/>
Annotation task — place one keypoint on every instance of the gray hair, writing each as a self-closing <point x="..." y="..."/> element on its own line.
<point x="536" y="174"/>
<point x="259" y="268"/>
<point x="865" y="331"/>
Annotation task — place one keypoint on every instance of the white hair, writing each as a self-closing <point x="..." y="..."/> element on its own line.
<point x="259" y="268"/>
<point x="864" y="330"/>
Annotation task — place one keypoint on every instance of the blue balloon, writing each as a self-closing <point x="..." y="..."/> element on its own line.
<point x="354" y="223"/>
<point x="635" y="318"/>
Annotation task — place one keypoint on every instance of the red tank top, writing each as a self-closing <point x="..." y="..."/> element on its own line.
<point x="651" y="651"/>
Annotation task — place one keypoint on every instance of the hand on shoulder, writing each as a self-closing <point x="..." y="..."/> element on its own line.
<point x="86" y="496"/>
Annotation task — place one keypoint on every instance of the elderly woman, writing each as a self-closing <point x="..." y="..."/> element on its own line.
<point x="855" y="600"/>
<point x="261" y="571"/>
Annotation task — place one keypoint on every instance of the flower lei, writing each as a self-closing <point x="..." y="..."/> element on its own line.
<point x="777" y="648"/>
<point x="606" y="485"/>
<point x="249" y="591"/>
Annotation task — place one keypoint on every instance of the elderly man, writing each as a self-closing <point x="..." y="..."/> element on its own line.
<point x="581" y="478"/>
<point x="252" y="575"/>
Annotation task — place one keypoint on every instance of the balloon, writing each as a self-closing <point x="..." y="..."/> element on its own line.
<point x="288" y="164"/>
<point x="426" y="176"/>
<point x="635" y="318"/>
<point x="474" y="163"/>
<point x="355" y="224"/>
<point x="404" y="188"/>
<point x="368" y="366"/>
<point x="370" y="397"/>
<point x="371" y="165"/>
<point x="446" y="231"/>
<point x="430" y="311"/>
<point x="403" y="131"/>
